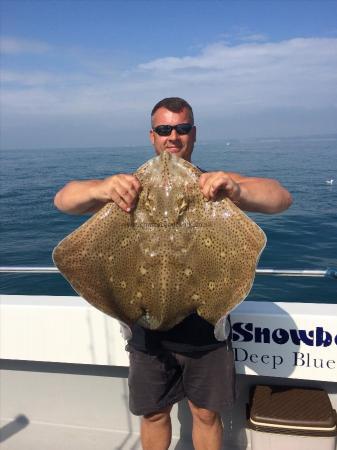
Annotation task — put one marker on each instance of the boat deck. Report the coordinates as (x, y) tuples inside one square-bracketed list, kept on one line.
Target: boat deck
[(63, 373)]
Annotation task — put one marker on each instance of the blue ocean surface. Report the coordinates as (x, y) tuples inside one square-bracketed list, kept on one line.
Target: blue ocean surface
[(304, 237)]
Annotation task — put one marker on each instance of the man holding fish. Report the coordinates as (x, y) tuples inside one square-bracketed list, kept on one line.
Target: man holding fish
[(187, 360)]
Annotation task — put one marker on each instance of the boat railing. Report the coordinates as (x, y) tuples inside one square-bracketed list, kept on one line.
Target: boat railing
[(325, 273)]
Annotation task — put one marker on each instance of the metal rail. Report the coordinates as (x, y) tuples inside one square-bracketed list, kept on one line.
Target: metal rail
[(327, 273)]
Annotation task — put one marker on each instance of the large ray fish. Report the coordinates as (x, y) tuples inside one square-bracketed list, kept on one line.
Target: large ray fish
[(176, 253)]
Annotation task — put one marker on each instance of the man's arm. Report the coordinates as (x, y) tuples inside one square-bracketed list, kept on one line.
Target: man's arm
[(87, 197), (248, 193)]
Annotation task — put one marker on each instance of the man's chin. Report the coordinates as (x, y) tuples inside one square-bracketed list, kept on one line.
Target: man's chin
[(175, 151)]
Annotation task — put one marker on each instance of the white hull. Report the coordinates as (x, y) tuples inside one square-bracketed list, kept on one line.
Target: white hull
[(64, 374)]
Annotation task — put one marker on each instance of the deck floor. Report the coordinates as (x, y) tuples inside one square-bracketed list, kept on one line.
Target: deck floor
[(46, 436)]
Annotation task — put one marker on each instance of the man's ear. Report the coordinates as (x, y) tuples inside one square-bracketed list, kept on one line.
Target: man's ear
[(151, 136)]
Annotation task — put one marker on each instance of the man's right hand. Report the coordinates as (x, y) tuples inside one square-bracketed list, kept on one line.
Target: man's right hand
[(89, 196), (123, 189)]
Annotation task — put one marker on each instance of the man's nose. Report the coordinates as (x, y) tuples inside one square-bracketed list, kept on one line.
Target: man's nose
[(173, 134)]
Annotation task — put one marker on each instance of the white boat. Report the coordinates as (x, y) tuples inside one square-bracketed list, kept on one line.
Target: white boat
[(64, 370)]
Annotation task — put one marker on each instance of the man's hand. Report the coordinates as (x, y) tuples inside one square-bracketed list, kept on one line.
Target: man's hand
[(89, 196), (248, 193), (123, 189), (212, 183)]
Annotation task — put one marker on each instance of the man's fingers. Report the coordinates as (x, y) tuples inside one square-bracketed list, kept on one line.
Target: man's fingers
[(134, 190), (135, 184), (212, 186), (123, 200), (120, 202), (202, 179), (205, 182), (221, 183), (122, 189), (125, 193), (212, 182)]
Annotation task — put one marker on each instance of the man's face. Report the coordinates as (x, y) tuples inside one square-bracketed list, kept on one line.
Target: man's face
[(180, 145)]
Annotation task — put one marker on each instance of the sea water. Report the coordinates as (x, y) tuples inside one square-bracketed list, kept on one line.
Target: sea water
[(304, 237)]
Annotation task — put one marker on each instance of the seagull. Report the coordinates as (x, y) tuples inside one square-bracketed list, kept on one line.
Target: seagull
[(329, 181)]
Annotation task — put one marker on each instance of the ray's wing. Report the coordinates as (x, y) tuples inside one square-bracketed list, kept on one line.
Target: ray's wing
[(229, 248), (97, 258)]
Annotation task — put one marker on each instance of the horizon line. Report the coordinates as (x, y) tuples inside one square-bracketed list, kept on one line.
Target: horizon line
[(201, 142)]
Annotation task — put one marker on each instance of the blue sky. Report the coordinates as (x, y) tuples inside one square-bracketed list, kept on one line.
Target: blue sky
[(87, 73)]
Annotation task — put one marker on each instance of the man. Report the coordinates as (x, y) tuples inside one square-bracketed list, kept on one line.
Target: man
[(185, 361)]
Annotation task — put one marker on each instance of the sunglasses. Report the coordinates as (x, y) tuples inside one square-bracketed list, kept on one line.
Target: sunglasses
[(166, 130)]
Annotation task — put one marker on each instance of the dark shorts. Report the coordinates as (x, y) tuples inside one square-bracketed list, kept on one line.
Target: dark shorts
[(207, 379)]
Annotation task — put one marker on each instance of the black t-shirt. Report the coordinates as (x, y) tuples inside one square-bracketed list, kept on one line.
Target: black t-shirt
[(190, 335)]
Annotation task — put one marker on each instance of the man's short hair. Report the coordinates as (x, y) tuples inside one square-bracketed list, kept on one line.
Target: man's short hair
[(174, 104)]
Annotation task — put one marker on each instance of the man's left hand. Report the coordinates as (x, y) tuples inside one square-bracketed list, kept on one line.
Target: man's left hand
[(212, 183)]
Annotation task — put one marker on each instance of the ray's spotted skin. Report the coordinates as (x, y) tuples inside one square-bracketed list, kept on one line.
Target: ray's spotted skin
[(174, 254)]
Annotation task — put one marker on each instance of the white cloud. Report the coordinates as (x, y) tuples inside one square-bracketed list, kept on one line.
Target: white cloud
[(296, 76), (296, 72), (14, 45), (256, 56)]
